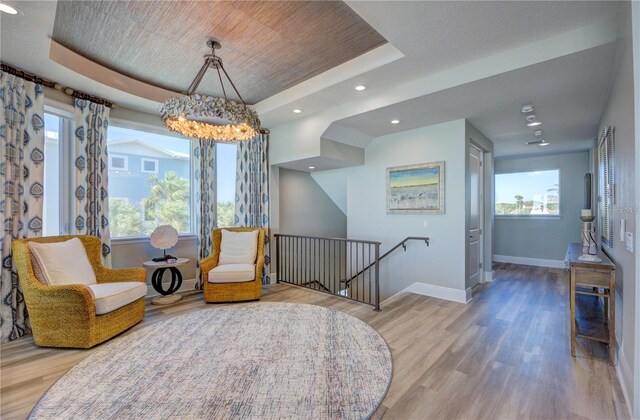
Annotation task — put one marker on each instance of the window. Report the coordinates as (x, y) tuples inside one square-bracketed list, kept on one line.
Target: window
[(149, 182), (226, 191), (52, 175), (149, 166), (535, 193), (117, 162)]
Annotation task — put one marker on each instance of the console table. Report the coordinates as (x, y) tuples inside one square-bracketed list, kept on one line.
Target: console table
[(592, 279)]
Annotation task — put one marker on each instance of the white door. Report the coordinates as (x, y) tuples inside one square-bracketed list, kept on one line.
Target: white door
[(474, 260)]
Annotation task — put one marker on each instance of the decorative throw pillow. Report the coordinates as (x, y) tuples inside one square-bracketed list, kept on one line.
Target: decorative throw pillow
[(63, 262), (238, 247), (37, 270)]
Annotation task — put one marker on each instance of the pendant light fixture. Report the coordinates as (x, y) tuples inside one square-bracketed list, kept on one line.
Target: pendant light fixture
[(210, 117)]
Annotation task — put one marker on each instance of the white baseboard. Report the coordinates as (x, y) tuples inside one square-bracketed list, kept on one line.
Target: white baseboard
[(621, 367), (538, 262), (440, 292), (488, 277), (187, 286)]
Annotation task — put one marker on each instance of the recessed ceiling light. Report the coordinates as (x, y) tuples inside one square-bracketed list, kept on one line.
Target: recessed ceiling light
[(312, 167), (297, 111), (534, 124), (527, 108), (8, 9), (360, 87), (537, 133), (531, 117), (395, 121)]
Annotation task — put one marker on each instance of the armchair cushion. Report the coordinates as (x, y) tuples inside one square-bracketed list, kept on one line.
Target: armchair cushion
[(238, 247), (60, 263), (110, 296), (232, 273)]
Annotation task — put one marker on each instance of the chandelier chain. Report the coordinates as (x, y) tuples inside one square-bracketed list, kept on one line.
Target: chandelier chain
[(224, 92)]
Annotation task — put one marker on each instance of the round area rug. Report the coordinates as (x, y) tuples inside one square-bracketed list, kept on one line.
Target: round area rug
[(258, 360)]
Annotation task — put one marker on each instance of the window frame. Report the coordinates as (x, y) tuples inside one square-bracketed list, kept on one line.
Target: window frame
[(126, 163), (65, 155), (529, 216), (156, 163)]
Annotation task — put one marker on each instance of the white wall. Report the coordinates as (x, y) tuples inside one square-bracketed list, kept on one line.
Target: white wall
[(619, 112), (635, 12), (440, 264)]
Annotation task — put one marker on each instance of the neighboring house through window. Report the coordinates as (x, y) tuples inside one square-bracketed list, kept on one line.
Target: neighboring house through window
[(527, 194), (149, 166), (119, 163), (155, 189)]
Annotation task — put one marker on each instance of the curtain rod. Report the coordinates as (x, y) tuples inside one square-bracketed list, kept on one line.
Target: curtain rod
[(67, 90), (55, 85)]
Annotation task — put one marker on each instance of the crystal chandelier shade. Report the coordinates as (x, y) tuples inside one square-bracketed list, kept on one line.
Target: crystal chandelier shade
[(189, 115)]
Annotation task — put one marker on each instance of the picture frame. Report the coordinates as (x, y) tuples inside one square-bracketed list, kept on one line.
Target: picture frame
[(416, 189)]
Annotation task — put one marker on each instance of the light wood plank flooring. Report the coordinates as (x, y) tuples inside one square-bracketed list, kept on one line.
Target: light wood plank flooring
[(505, 355)]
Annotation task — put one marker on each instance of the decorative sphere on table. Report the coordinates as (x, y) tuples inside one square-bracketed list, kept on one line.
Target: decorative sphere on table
[(164, 237)]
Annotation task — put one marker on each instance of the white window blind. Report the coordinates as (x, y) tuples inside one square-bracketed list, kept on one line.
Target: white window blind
[(607, 191)]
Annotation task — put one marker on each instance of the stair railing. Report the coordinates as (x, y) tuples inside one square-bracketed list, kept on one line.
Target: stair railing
[(348, 268)]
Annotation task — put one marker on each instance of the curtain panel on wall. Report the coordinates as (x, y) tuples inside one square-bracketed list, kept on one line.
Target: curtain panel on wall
[(22, 179), (92, 166), (252, 190), (204, 168)]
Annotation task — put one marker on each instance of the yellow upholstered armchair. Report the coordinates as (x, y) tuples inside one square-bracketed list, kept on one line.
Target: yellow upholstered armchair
[(80, 315), (233, 282)]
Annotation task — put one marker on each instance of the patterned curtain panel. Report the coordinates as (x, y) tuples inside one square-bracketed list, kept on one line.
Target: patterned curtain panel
[(252, 190), (22, 178), (204, 168), (92, 201)]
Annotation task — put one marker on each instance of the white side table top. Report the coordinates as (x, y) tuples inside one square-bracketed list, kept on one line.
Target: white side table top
[(159, 264)]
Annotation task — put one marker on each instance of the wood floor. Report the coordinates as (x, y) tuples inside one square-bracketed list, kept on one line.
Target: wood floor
[(505, 355)]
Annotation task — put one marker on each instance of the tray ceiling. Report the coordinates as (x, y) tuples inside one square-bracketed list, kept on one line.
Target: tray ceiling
[(267, 47)]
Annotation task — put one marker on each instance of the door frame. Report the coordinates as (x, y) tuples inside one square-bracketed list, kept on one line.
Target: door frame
[(481, 213)]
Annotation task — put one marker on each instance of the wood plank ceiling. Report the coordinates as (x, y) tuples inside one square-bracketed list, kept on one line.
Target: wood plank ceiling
[(267, 46)]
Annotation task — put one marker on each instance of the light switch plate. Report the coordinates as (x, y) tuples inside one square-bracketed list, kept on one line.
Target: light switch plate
[(623, 229), (629, 242), (425, 224)]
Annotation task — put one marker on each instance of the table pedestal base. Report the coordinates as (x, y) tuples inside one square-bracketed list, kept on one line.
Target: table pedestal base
[(166, 300)]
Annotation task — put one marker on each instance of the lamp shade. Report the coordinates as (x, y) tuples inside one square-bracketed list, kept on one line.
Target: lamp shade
[(164, 237)]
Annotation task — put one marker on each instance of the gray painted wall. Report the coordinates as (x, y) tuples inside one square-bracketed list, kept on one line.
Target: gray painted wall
[(619, 112), (305, 209), (440, 264), (544, 238)]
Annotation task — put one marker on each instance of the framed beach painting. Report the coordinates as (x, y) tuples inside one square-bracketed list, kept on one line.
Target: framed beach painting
[(417, 189)]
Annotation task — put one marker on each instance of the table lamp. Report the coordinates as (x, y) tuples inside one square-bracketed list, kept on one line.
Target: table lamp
[(164, 237), (589, 245)]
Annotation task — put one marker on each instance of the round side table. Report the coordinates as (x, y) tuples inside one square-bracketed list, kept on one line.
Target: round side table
[(168, 296)]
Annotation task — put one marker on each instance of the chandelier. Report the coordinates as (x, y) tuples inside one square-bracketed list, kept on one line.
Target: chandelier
[(210, 117)]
